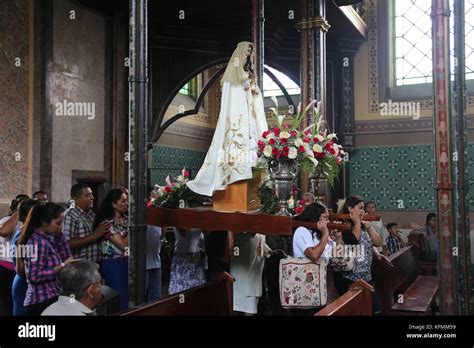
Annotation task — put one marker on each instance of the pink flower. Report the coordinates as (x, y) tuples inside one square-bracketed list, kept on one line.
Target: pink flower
[(301, 202), (186, 173)]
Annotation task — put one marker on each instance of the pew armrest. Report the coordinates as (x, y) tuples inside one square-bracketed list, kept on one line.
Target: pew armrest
[(356, 301)]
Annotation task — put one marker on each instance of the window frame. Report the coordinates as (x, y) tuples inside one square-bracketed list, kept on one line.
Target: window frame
[(386, 61)]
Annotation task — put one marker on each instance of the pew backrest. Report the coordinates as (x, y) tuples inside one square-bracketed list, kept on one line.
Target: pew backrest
[(213, 298)]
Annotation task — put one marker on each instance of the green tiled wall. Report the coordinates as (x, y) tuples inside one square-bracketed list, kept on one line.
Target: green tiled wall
[(170, 161), (390, 173)]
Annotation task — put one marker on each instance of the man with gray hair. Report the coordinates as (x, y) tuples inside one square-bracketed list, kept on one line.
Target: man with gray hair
[(81, 290)]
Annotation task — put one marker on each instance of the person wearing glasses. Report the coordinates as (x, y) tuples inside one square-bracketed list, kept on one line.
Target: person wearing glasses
[(81, 290)]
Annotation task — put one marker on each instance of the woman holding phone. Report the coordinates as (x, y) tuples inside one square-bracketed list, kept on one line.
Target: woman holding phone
[(364, 235)]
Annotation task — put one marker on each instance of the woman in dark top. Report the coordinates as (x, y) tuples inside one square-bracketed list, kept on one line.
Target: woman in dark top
[(365, 237)]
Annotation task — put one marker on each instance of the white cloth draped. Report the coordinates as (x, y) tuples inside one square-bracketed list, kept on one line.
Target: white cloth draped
[(233, 150)]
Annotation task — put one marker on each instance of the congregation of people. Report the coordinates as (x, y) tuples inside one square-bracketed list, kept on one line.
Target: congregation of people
[(56, 260)]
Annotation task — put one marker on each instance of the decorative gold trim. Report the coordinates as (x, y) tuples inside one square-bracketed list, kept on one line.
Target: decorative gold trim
[(317, 22)]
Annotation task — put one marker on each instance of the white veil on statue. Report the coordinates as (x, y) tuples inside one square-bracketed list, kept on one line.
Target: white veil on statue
[(233, 150)]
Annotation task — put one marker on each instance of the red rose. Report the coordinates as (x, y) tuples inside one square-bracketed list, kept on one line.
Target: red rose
[(299, 210), (276, 130), (260, 143), (285, 126), (283, 141), (306, 140), (168, 189), (271, 141), (301, 149), (186, 174), (284, 151), (338, 161), (301, 202), (264, 134), (294, 133), (275, 152), (332, 151), (307, 132), (328, 145)]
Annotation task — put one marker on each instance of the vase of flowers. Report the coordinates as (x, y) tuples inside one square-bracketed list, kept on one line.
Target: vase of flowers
[(285, 148), (283, 176)]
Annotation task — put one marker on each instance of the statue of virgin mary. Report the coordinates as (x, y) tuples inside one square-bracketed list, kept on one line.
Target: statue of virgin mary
[(233, 150)]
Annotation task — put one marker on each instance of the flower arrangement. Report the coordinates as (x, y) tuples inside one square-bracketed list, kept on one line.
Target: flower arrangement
[(175, 194), (311, 148)]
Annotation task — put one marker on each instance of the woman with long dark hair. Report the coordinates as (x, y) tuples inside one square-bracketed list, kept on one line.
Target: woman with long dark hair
[(114, 264), (46, 254), (312, 244), (20, 284), (363, 235)]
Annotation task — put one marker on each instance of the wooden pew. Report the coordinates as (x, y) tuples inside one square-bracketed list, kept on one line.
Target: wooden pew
[(356, 301), (401, 281), (213, 298)]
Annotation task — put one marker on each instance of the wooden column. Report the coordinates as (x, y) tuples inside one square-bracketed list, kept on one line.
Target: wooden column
[(258, 19), (348, 50), (313, 27), (444, 156)]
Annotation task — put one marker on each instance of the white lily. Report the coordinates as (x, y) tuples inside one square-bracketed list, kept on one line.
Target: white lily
[(299, 142)]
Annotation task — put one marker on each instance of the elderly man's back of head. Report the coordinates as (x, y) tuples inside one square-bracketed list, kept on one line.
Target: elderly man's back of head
[(81, 289)]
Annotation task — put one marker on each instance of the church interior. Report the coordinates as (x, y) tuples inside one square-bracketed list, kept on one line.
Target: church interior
[(114, 111)]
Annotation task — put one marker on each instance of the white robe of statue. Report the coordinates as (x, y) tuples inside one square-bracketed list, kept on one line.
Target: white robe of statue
[(233, 150)]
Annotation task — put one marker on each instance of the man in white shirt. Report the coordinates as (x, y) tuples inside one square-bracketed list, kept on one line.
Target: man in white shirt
[(81, 290)]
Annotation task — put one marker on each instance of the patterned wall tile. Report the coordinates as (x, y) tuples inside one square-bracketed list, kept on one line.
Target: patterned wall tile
[(396, 176), (170, 161)]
